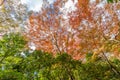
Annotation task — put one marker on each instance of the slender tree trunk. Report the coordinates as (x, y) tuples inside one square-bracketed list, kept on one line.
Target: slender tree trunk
[(111, 66)]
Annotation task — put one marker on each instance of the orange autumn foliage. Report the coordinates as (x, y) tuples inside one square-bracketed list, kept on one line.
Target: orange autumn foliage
[(86, 29)]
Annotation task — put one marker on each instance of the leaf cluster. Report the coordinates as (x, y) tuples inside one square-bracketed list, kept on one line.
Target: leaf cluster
[(39, 65)]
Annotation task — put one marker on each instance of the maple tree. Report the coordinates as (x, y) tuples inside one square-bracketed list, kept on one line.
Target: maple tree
[(60, 39), (17, 62), (48, 25), (89, 28), (98, 28)]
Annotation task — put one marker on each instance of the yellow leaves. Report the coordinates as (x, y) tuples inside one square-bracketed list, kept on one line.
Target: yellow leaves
[(97, 52), (2, 8), (12, 59)]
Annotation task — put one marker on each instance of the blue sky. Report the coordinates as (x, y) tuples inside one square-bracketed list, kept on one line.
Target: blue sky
[(35, 5)]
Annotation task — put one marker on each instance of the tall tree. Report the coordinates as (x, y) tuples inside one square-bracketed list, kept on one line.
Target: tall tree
[(98, 27), (89, 28)]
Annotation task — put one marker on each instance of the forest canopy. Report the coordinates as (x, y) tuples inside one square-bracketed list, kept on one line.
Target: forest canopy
[(57, 42)]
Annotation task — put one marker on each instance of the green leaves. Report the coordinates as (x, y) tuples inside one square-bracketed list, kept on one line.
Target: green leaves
[(111, 1), (12, 41), (39, 65), (11, 44)]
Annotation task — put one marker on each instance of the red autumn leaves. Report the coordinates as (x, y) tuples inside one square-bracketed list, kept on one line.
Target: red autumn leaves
[(85, 30)]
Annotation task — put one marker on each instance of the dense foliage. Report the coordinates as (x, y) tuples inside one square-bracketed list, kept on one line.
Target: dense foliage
[(59, 43), (93, 26), (23, 64), (111, 1)]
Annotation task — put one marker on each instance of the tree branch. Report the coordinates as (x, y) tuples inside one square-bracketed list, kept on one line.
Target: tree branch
[(57, 45), (111, 66)]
